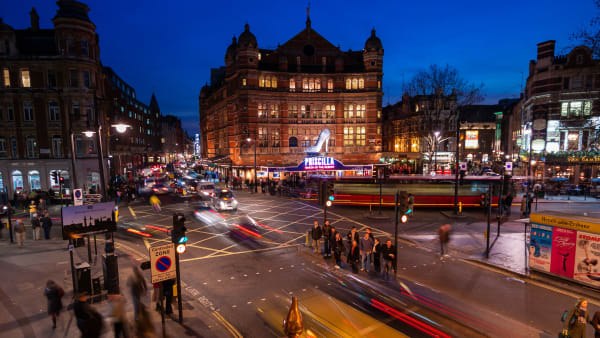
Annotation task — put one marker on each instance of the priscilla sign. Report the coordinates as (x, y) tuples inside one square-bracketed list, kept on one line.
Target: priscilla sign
[(318, 163)]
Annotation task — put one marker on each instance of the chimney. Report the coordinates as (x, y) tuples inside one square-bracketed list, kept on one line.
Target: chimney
[(545, 49), (35, 20)]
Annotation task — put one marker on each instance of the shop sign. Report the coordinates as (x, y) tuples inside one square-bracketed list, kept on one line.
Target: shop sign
[(320, 162), (568, 223), (472, 139)]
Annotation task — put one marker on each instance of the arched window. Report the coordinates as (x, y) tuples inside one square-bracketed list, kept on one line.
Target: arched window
[(17, 180), (268, 82), (348, 83), (261, 81), (361, 83), (293, 141), (34, 180), (274, 82)]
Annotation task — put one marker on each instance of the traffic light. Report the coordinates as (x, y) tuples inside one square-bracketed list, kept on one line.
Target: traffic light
[(54, 175), (178, 236), (484, 200), (374, 172), (329, 191), (404, 210)]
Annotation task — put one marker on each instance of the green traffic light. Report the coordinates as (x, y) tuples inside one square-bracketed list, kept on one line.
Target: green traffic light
[(182, 239), (408, 211), (331, 198)]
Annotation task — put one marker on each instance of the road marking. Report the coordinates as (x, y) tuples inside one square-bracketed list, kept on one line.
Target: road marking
[(213, 255), (234, 332), (132, 212)]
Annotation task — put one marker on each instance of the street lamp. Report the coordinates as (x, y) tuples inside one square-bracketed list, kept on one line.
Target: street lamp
[(437, 134), (255, 185)]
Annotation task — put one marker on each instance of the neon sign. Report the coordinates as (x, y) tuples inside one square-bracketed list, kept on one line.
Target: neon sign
[(311, 163)]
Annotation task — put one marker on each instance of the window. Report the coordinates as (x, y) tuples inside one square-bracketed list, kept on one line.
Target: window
[(330, 85), (360, 136), (244, 82), (311, 85), (348, 83), (330, 111), (76, 110), (348, 136), (293, 111), (262, 110), (361, 83), (27, 111), (379, 114), (274, 137), (70, 47), (3, 151), (360, 111), (51, 78), (577, 82), (262, 137), (378, 84), (305, 111), (84, 48), (78, 145), (576, 108), (34, 180), (274, 109), (6, 77), (378, 130), (25, 78), (53, 111), (89, 113), (86, 79), (17, 179), (74, 79), (355, 83), (292, 85), (587, 107), (13, 147), (348, 111), (57, 146), (31, 147), (267, 81), (10, 115), (293, 141)]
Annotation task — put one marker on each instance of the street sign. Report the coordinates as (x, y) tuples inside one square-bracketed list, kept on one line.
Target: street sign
[(78, 195), (508, 166), (162, 262), (463, 165)]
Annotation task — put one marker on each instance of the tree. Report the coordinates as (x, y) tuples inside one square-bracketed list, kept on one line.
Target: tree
[(444, 91), (589, 35)]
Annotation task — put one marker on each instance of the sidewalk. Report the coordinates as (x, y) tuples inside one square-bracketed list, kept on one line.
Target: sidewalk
[(559, 199), (23, 306)]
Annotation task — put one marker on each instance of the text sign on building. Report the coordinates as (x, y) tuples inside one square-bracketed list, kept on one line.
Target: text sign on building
[(162, 262), (197, 144), (320, 162), (471, 139)]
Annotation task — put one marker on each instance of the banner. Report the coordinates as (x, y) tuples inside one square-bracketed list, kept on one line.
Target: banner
[(471, 139), (86, 219), (563, 252), (540, 247), (587, 257)]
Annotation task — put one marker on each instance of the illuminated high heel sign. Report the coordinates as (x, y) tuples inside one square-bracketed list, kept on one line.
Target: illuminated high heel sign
[(320, 162)]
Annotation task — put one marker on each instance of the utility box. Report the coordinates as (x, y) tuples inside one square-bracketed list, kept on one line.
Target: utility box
[(110, 269), (83, 276)]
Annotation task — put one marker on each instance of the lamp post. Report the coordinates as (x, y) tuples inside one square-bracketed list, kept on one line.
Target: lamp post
[(255, 185), (437, 134)]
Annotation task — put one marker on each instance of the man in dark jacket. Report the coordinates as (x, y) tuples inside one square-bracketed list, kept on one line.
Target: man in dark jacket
[(354, 256), (353, 236), (507, 203), (46, 225), (389, 256), (316, 234), (327, 238)]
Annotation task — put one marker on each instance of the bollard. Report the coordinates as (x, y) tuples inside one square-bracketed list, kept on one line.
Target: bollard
[(307, 240), (460, 208)]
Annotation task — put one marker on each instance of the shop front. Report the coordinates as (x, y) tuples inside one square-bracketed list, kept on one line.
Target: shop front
[(318, 165)]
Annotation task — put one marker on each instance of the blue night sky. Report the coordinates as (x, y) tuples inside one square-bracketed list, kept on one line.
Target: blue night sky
[(157, 46)]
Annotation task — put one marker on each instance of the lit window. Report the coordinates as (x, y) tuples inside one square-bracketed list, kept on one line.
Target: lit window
[(53, 111), (275, 138), (378, 130), (274, 108), (293, 111), (348, 111), (292, 85), (305, 85), (379, 114), (25, 79), (587, 108), (330, 111), (330, 85), (273, 82), (259, 56), (348, 83), (379, 84), (564, 109), (348, 136), (354, 83), (262, 110), (575, 108), (360, 111), (27, 111), (360, 136), (244, 82), (6, 77), (361, 83)]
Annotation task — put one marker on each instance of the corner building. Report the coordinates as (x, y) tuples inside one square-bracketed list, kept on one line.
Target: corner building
[(283, 99)]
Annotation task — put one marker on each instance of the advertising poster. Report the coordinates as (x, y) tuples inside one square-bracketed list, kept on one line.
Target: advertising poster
[(540, 247), (587, 257), (472, 139), (563, 252), (85, 219)]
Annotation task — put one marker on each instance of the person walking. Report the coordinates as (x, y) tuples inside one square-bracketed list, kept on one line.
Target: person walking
[(54, 294), (155, 202), (377, 255), (143, 323), (444, 235), (32, 209), (577, 319), (316, 234), (89, 321), (42, 207), (118, 315), (524, 206), (596, 324), (327, 238), (507, 203), (20, 232), (365, 248), (354, 256), (338, 248), (168, 293), (138, 287), (46, 225), (36, 227), (389, 255), (332, 240)]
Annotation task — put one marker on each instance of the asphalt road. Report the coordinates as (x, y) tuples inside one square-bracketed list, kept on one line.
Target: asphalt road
[(250, 280)]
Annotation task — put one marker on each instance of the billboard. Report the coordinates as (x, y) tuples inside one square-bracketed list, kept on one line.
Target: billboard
[(540, 247), (86, 219), (587, 256), (471, 139)]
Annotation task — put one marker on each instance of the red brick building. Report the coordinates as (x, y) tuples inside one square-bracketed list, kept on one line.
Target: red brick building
[(284, 98)]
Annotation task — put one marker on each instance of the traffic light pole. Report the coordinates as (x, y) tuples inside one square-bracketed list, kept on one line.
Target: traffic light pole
[(179, 302), (489, 212), (324, 212), (396, 233)]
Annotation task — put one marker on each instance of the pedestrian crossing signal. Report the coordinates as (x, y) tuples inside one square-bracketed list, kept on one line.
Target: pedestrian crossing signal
[(404, 218)]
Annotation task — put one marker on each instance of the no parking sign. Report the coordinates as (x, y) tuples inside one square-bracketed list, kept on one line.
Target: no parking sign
[(162, 262), (78, 197)]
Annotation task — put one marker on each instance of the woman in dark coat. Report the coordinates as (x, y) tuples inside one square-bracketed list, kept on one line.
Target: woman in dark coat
[(54, 293), (338, 248), (354, 257), (377, 256)]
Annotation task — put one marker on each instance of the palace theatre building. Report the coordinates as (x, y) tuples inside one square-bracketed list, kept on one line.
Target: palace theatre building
[(306, 98)]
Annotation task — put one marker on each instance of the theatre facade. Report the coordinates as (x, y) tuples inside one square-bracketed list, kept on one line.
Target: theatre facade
[(304, 99)]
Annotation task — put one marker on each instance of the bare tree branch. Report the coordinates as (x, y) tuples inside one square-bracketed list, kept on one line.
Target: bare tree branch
[(589, 35)]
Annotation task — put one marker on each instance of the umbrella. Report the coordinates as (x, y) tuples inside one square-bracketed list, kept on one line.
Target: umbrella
[(559, 179)]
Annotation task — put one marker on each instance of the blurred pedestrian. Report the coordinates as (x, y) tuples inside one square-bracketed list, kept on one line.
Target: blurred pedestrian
[(168, 292), (316, 234), (138, 287), (352, 236), (332, 240), (36, 227), (54, 294), (596, 324), (524, 206), (377, 255), (46, 225), (327, 238), (507, 203), (42, 207), (338, 249), (354, 256), (444, 236), (89, 321), (365, 248), (20, 232), (32, 209), (118, 315), (577, 319), (118, 196), (155, 202), (389, 256), (143, 323)]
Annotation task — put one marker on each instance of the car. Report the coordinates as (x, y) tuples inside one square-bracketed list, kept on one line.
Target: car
[(161, 189), (206, 189), (224, 200)]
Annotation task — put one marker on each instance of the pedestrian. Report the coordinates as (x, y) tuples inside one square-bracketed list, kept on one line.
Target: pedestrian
[(507, 203), (54, 294), (118, 196), (524, 206), (46, 225), (32, 209), (352, 236), (42, 206), (365, 248), (15, 200), (389, 256), (118, 315), (155, 202), (20, 232), (354, 256), (89, 321), (377, 255), (370, 233), (411, 204), (316, 234), (138, 287), (327, 238), (168, 293), (444, 235), (577, 319), (596, 324), (143, 323), (338, 248), (36, 227)]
